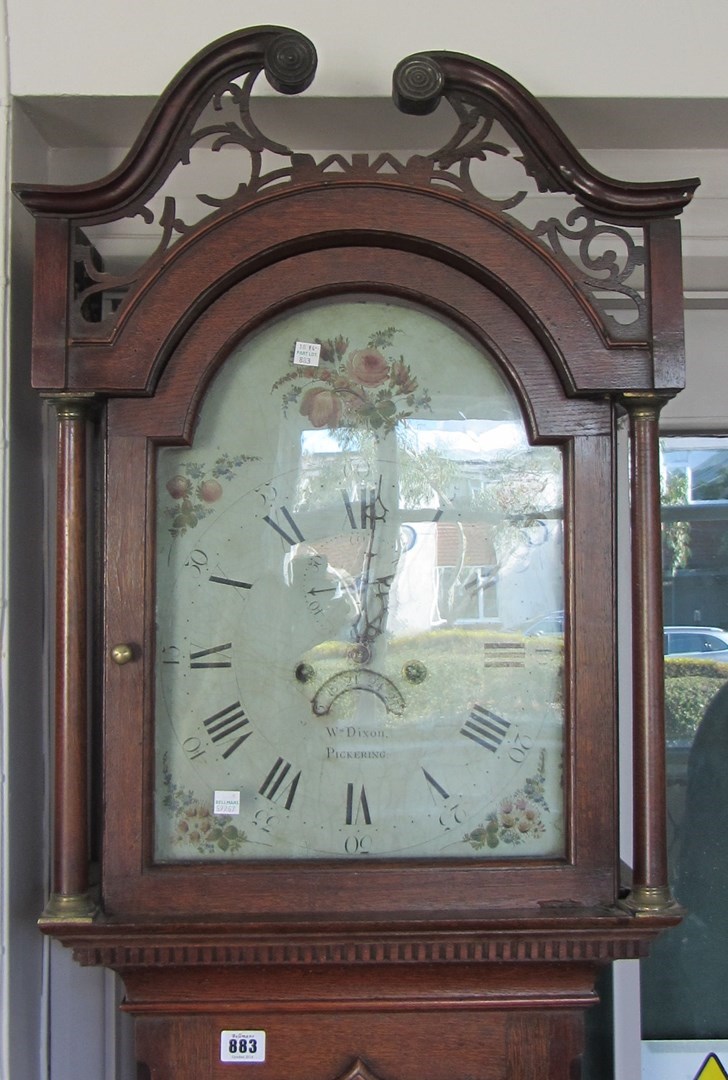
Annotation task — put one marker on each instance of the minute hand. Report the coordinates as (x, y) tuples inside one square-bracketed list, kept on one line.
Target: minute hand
[(374, 622), (373, 589)]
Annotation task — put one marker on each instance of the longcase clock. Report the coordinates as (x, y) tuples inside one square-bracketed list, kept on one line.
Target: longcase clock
[(341, 654)]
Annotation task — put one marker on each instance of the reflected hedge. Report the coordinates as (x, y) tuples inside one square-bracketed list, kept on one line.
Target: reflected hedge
[(690, 685)]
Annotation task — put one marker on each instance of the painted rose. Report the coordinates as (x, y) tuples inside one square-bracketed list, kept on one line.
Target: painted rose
[(321, 406), (368, 367)]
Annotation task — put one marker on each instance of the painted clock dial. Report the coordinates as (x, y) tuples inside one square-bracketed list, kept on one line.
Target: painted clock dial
[(360, 593)]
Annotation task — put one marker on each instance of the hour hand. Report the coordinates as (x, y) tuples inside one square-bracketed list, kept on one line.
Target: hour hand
[(373, 608)]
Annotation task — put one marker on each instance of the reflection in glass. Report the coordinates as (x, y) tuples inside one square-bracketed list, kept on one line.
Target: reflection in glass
[(683, 980), (348, 560)]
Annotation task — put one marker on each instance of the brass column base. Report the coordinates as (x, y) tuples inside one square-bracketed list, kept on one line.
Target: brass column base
[(650, 900), (70, 908)]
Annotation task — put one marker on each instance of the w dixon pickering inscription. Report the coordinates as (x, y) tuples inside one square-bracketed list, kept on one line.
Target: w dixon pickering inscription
[(361, 735)]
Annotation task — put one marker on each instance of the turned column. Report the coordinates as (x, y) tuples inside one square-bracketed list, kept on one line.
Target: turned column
[(70, 898), (650, 889)]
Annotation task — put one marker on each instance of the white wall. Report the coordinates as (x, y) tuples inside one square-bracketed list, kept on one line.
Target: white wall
[(24, 698), (628, 48), (703, 404)]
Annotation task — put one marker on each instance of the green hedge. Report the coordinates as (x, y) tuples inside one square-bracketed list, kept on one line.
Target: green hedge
[(689, 687), (454, 661)]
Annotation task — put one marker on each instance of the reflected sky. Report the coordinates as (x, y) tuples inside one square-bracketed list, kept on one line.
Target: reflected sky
[(464, 438)]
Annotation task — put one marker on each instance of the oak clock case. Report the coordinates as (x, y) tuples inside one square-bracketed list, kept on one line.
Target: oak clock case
[(358, 423), (329, 552), (324, 555)]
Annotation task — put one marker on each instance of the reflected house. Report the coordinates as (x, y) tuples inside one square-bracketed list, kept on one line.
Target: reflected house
[(466, 555)]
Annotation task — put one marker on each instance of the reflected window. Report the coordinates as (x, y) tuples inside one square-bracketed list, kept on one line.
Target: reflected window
[(683, 980)]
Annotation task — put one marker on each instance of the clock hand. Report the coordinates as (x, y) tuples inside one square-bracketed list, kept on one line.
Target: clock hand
[(385, 580), (368, 629), (369, 625), (372, 589), (362, 595)]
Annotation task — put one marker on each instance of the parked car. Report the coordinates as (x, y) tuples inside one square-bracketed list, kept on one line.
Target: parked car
[(696, 641), (679, 641)]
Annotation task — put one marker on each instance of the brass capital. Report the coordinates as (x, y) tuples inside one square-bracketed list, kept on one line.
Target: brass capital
[(644, 404), (72, 406)]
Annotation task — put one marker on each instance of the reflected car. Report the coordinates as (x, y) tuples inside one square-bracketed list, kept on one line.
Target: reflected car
[(690, 642), (696, 642), (547, 626)]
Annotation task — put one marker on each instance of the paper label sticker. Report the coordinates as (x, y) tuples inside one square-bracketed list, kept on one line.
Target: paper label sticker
[(243, 1047), (226, 802), (307, 353)]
